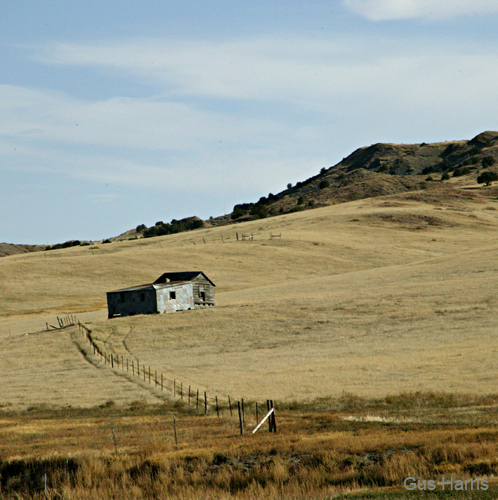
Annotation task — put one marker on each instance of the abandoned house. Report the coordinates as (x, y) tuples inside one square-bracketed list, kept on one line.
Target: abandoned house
[(169, 293)]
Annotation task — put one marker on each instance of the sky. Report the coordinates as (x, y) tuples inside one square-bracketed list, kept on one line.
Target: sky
[(120, 113)]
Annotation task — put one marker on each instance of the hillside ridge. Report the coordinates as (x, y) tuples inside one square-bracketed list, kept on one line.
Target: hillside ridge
[(370, 171)]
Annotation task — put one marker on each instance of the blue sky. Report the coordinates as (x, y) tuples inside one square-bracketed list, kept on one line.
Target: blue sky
[(114, 114)]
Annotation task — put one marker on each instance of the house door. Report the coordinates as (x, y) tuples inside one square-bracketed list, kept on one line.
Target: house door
[(203, 296)]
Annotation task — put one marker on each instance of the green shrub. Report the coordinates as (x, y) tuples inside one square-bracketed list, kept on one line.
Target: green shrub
[(487, 178), (259, 211), (323, 184), (445, 176), (297, 208), (300, 200), (487, 161), (461, 171)]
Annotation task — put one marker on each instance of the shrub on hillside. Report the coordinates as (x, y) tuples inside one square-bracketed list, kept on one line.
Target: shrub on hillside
[(323, 184), (259, 211), (175, 226), (461, 171), (445, 176), (297, 208), (487, 161), (487, 178), (300, 200)]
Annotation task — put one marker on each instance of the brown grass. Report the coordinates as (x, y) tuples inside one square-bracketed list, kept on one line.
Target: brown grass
[(351, 299), (313, 455)]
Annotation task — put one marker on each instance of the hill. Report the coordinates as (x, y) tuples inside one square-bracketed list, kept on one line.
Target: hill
[(13, 249), (372, 297)]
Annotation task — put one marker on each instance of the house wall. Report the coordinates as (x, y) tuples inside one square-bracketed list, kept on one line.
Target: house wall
[(201, 284), (130, 302), (183, 300)]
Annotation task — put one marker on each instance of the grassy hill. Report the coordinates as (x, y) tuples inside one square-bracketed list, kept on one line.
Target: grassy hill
[(371, 323), (372, 297)]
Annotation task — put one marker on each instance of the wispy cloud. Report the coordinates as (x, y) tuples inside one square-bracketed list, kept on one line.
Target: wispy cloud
[(385, 10), (264, 108)]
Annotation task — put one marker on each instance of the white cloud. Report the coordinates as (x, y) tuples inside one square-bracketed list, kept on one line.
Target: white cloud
[(251, 112), (384, 10)]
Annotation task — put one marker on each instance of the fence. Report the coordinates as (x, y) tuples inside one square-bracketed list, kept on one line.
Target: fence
[(183, 393), (64, 322)]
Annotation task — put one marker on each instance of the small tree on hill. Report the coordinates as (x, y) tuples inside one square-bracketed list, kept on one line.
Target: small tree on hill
[(324, 184), (487, 178), (487, 161)]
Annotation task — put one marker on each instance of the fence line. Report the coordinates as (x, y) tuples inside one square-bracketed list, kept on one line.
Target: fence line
[(189, 397)]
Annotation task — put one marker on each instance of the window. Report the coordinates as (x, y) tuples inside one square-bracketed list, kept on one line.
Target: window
[(172, 295), (203, 295)]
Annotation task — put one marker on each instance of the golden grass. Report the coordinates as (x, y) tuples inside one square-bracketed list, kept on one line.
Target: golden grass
[(313, 455), (371, 297)]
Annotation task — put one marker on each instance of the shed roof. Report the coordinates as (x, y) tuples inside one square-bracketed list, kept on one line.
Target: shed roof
[(181, 276), (149, 286)]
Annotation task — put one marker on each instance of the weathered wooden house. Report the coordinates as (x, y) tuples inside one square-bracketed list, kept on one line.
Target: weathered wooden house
[(169, 293)]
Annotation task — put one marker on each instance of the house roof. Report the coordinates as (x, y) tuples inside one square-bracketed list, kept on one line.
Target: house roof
[(174, 279), (149, 286), (181, 276)]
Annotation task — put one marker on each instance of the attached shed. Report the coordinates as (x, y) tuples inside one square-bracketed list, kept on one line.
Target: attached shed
[(169, 293)]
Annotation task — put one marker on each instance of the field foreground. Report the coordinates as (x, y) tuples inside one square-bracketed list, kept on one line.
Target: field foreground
[(326, 449)]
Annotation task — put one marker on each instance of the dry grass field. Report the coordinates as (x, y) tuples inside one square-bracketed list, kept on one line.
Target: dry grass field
[(370, 297), (372, 324)]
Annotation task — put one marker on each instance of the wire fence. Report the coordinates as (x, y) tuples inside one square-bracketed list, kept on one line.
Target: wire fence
[(182, 393)]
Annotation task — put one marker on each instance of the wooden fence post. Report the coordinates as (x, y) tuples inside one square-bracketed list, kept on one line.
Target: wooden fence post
[(273, 420), (174, 425), (217, 407), (161, 381), (189, 395), (268, 407), (241, 421), (230, 402), (205, 403), (197, 403)]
